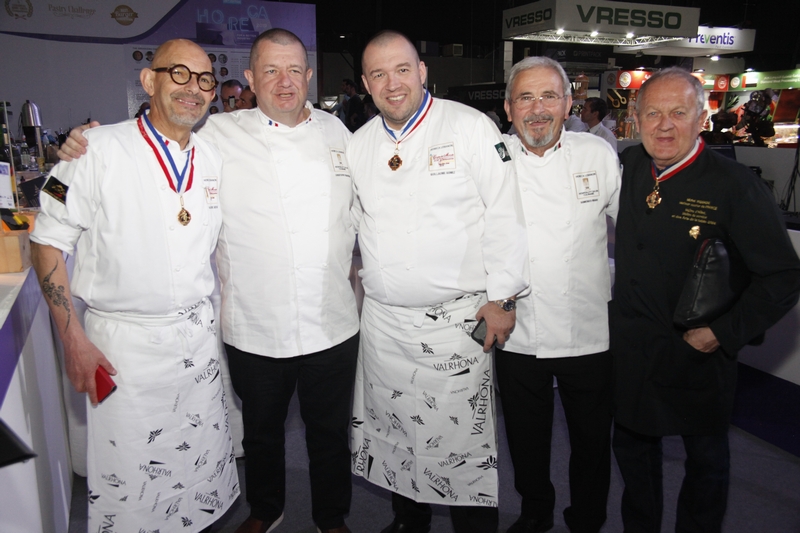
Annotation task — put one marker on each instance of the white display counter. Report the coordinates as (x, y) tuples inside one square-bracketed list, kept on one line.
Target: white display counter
[(36, 494)]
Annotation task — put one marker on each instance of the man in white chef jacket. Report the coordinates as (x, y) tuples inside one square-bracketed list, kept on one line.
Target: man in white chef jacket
[(142, 211), (569, 184), (289, 317), (443, 243)]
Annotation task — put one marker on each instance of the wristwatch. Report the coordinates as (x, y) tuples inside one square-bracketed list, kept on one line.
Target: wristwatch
[(508, 304)]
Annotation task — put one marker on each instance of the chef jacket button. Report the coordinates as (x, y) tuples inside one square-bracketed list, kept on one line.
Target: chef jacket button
[(634, 282), (409, 267), (324, 265), (382, 267), (325, 229), (203, 262), (163, 187), (640, 246), (411, 193), (409, 230), (524, 189), (564, 292), (172, 227), (536, 293), (177, 269), (569, 222), (530, 223), (566, 259)]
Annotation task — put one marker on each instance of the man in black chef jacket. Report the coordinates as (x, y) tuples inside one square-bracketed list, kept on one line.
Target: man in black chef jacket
[(674, 195)]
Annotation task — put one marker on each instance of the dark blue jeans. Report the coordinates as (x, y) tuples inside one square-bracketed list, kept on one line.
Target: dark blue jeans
[(704, 492), (324, 382)]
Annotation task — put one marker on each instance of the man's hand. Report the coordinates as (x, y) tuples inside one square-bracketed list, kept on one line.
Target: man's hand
[(499, 323), (82, 359), (701, 339), (75, 145)]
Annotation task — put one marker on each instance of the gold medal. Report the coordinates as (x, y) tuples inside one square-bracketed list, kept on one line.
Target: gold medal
[(653, 199), (395, 162), (184, 216), (694, 232)]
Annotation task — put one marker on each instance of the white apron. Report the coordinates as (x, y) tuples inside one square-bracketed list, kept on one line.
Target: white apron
[(423, 414), (160, 450)]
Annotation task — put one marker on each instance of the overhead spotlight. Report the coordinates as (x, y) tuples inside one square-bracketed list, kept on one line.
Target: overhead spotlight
[(559, 31), (594, 34), (639, 68), (748, 69), (629, 35), (699, 70), (341, 37), (714, 58)]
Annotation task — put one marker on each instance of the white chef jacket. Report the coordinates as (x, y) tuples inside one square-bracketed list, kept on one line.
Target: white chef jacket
[(122, 215), (566, 196), (287, 239), (448, 222), (604, 133)]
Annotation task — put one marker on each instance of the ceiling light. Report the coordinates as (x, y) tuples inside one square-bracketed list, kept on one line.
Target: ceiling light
[(699, 70), (559, 31), (341, 37), (748, 69), (594, 34), (714, 58), (629, 35)]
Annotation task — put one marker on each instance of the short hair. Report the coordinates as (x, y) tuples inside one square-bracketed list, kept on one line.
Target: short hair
[(383, 37), (597, 105), (350, 83), (537, 62), (673, 73), (231, 83), (277, 36)]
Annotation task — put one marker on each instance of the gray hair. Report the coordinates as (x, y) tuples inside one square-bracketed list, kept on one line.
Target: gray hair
[(674, 73), (536, 62)]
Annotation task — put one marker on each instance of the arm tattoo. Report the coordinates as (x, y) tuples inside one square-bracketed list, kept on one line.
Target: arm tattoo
[(56, 295)]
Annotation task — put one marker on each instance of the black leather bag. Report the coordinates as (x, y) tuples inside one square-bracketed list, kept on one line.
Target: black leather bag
[(707, 292)]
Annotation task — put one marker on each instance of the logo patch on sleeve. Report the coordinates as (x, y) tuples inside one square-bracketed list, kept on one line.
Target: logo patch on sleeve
[(502, 151), (56, 189)]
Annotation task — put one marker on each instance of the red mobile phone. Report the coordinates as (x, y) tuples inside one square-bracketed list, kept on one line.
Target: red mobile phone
[(105, 385)]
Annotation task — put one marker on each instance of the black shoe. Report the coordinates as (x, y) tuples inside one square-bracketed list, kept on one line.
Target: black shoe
[(530, 525), (399, 527)]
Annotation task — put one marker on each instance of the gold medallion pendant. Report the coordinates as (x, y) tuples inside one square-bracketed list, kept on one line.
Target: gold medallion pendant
[(653, 199), (184, 216), (395, 162)]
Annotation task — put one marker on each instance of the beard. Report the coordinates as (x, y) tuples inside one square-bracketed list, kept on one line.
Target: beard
[(186, 117), (545, 138)]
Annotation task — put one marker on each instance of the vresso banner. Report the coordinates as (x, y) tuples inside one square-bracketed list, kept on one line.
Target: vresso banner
[(600, 16)]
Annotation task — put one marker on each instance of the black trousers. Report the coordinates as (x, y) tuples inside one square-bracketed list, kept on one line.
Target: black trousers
[(704, 493), (526, 391), (466, 519), (324, 382)]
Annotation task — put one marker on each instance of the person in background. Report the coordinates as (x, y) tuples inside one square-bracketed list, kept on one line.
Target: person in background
[(230, 93), (569, 185), (668, 380), (160, 454), (443, 246), (289, 317), (574, 123), (354, 109), (592, 114), (247, 100)]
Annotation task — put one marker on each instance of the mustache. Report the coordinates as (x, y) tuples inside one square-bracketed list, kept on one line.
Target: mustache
[(539, 118), (189, 97)]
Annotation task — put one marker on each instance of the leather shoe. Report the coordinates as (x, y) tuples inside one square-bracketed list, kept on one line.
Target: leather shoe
[(254, 525), (531, 525), (399, 527), (340, 529)]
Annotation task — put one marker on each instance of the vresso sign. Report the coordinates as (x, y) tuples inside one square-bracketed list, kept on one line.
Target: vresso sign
[(636, 18), (601, 16)]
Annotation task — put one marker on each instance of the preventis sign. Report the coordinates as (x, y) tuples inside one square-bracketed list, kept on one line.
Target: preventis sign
[(586, 16)]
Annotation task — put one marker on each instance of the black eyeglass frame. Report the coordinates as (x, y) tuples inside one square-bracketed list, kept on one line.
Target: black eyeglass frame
[(171, 69)]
